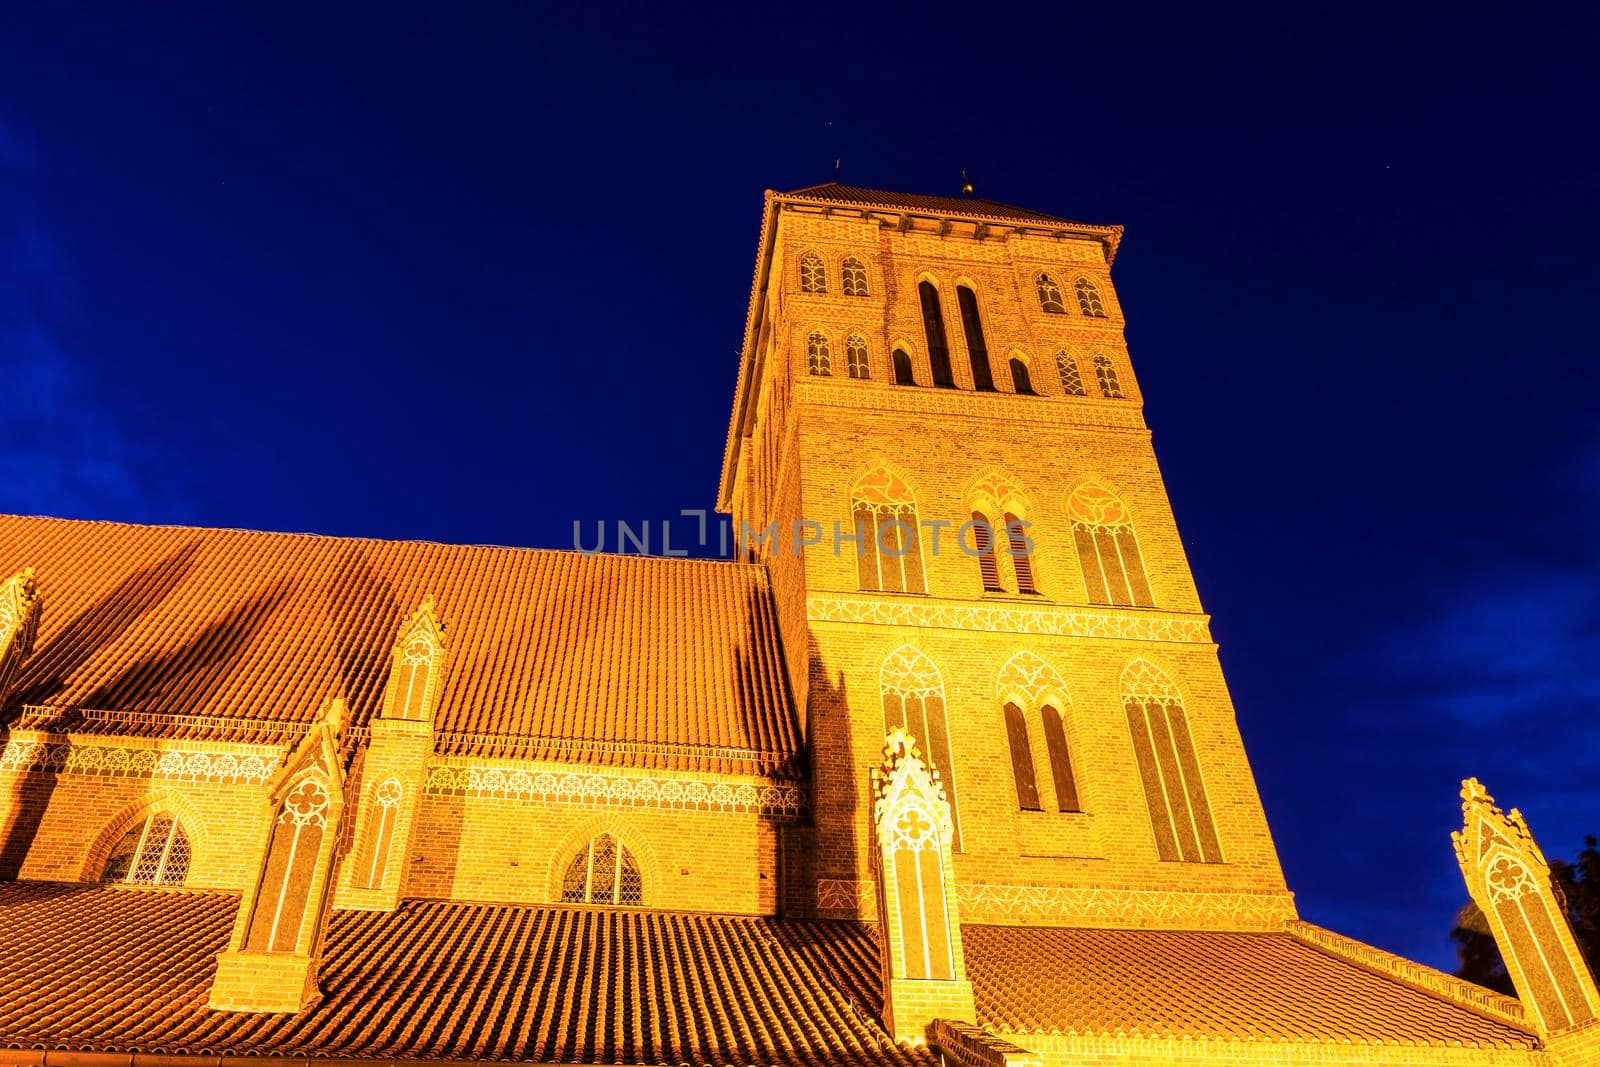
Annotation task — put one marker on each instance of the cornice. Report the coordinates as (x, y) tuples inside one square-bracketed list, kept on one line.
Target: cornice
[(1078, 412)]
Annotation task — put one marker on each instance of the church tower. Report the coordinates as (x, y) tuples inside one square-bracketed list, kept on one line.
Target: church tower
[(949, 378)]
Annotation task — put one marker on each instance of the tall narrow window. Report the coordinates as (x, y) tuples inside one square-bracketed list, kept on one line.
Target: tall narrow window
[(855, 277), (902, 368), (890, 555), (983, 544), (374, 856), (1089, 299), (283, 898), (603, 872), (1021, 759), (154, 852), (1049, 294), (1021, 553), (819, 360), (813, 275), (977, 350), (855, 356), (938, 347), (1106, 374), (1071, 380), (1055, 739), (913, 701), (1108, 551), (1020, 380), (1174, 790)]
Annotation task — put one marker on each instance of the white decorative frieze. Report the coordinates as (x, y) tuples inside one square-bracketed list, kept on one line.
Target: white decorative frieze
[(1146, 908), (21, 755), (592, 788), (1020, 619)]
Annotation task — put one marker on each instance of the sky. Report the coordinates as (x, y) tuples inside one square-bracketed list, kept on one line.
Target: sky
[(468, 273)]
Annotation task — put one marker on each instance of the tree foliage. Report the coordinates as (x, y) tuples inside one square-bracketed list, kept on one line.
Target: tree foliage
[(1577, 887)]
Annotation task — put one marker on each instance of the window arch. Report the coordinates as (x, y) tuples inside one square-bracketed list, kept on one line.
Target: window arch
[(283, 895), (1049, 294), (1021, 380), (855, 277), (998, 513), (1071, 379), (889, 556), (855, 356), (933, 326), (603, 871), (1169, 770), (378, 841), (1089, 299), (154, 851), (813, 274), (977, 348), (1106, 374), (902, 367), (913, 701), (819, 359), (1108, 551), (1032, 694)]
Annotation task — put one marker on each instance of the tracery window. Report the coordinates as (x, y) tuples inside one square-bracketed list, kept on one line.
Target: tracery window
[(1049, 294), (913, 701), (902, 368), (154, 852), (1071, 379), (938, 346), (1531, 926), (1089, 299), (855, 356), (1108, 551), (1021, 381), (1106, 373), (379, 839), (603, 872), (889, 557), (1169, 770), (1032, 693), (997, 521), (813, 275), (819, 360), (977, 348), (911, 820), (283, 897), (855, 277)]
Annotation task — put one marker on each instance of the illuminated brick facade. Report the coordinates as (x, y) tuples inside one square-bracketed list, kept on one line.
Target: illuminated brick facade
[(393, 801)]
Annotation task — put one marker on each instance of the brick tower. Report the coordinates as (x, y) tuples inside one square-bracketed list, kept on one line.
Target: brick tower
[(956, 367)]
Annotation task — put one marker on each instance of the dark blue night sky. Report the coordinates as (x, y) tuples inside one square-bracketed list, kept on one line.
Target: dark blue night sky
[(470, 272)]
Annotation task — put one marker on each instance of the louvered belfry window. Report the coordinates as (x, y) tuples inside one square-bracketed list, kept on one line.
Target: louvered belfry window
[(938, 346), (977, 348)]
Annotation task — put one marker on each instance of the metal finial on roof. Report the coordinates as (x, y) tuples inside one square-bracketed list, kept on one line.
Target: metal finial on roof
[(966, 183), (836, 167)]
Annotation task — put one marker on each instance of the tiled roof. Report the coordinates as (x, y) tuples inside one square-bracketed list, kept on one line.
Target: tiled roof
[(1174, 984), (968, 206), (551, 654), (92, 968)]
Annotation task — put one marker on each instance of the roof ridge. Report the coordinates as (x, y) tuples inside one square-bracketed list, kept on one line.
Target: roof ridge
[(358, 538)]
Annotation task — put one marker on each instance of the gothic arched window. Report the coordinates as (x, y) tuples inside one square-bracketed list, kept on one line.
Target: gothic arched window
[(1049, 294), (1031, 693), (997, 510), (911, 820), (602, 872), (283, 897), (983, 545), (1174, 790), (819, 360), (855, 356), (977, 348), (813, 275), (153, 852), (889, 557), (938, 346), (376, 844), (1021, 554), (1021, 382), (1108, 551), (855, 277), (902, 368), (913, 701), (1071, 380), (1089, 299), (1106, 374)]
